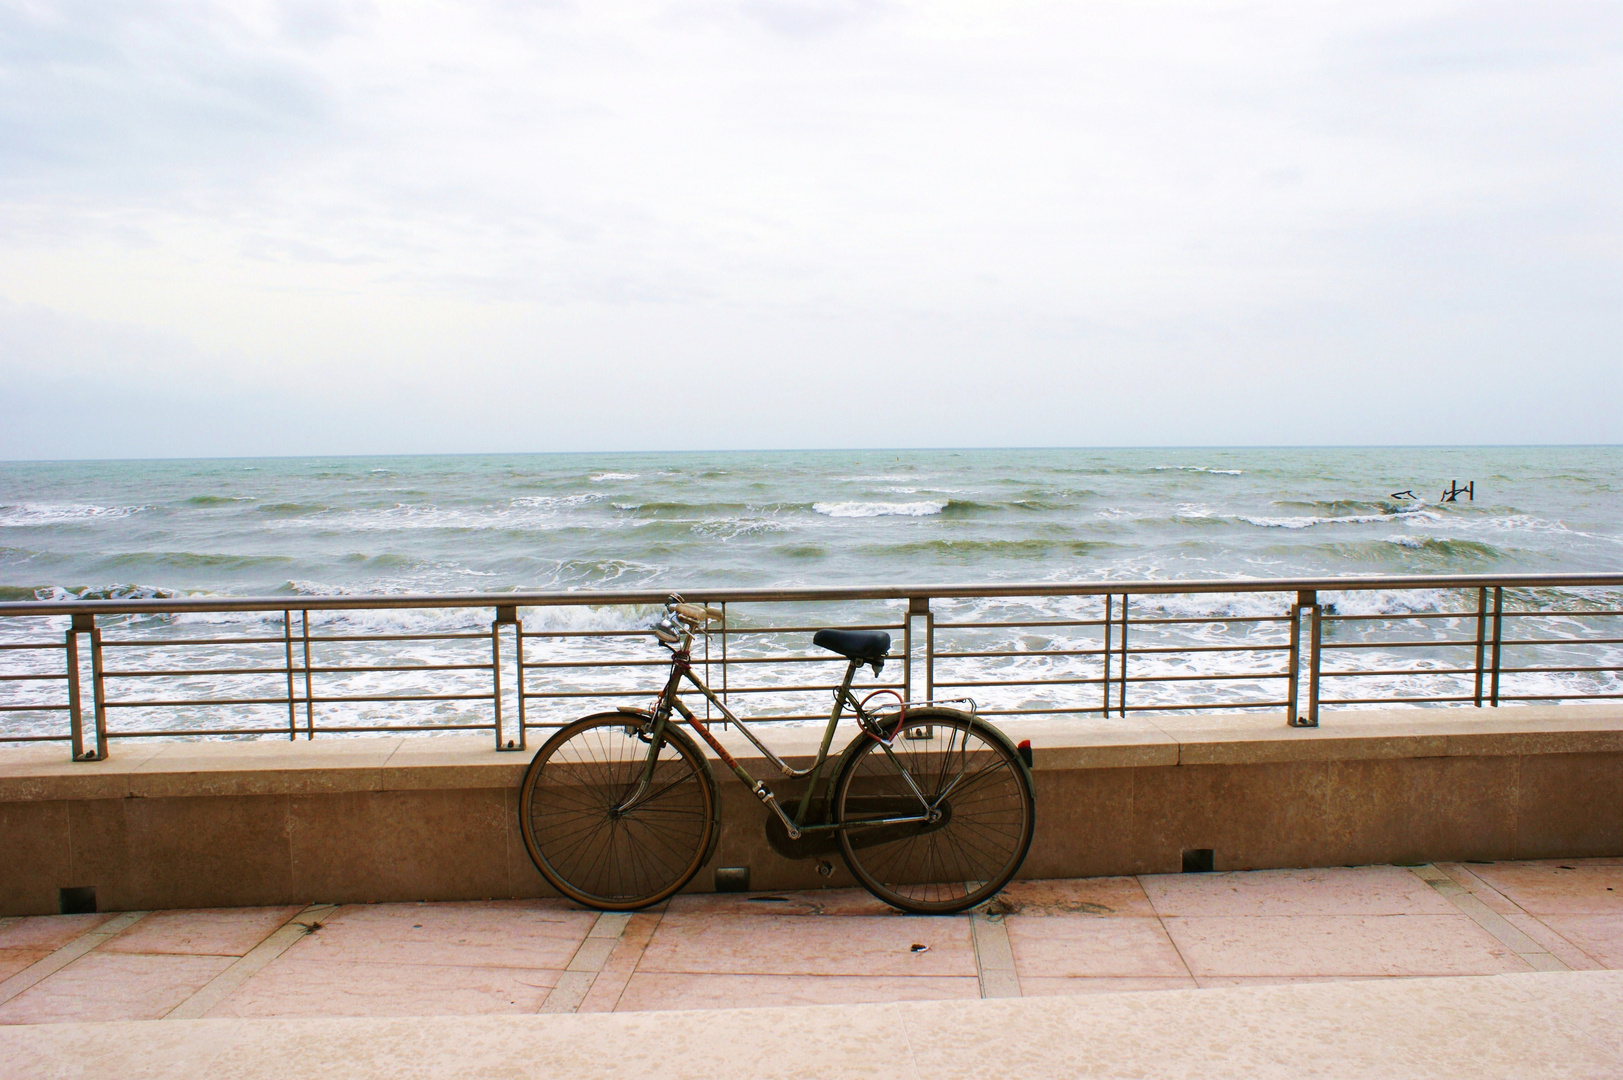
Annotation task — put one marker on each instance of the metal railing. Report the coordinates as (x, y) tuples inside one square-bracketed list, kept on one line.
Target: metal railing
[(298, 667)]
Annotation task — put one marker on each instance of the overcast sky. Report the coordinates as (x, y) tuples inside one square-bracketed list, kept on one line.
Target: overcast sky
[(331, 227)]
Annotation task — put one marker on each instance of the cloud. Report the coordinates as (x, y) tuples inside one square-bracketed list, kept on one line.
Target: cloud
[(1064, 193)]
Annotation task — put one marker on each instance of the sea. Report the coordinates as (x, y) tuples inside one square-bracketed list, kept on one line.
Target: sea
[(317, 526)]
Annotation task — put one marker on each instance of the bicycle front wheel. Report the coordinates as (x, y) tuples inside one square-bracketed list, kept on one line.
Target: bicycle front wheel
[(976, 792), (596, 833)]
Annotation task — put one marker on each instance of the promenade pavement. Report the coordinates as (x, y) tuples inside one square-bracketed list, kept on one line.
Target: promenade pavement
[(1157, 974)]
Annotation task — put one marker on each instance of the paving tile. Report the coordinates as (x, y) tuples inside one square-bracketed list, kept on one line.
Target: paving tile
[(344, 988), (49, 932), (1100, 984), (15, 960), (1340, 945), (1491, 897), (502, 933), (1578, 887), (1070, 946), (704, 943), (807, 902), (1079, 896), (659, 990), (611, 982), (1360, 890), (1552, 942), (111, 986), (205, 931), (1207, 982), (1599, 936)]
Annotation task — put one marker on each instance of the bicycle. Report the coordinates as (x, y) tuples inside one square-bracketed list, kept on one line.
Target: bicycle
[(930, 807)]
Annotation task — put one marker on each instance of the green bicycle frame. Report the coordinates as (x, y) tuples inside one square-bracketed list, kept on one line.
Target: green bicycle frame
[(669, 701)]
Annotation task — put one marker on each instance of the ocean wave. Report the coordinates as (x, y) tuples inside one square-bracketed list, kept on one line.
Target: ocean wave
[(605, 477), (218, 500), (33, 515), (1197, 469), (885, 478), (927, 508), (1310, 520), (973, 548)]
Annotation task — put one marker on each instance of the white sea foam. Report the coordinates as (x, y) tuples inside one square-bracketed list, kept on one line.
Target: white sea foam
[(32, 515), (605, 477), (880, 509), (1197, 468), (1308, 521)]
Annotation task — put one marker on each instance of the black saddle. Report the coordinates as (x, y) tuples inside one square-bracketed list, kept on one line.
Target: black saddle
[(868, 646)]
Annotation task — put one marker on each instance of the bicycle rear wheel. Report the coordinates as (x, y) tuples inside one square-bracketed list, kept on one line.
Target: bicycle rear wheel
[(582, 836), (985, 813)]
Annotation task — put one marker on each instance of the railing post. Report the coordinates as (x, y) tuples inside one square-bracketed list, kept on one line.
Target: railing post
[(292, 705), (507, 624), (309, 687), (1498, 639), (1481, 641), (85, 626), (1121, 690), (1306, 600), (1104, 709), (919, 607)]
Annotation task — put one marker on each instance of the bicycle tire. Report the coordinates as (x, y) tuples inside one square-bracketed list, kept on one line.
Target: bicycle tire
[(587, 849), (986, 825)]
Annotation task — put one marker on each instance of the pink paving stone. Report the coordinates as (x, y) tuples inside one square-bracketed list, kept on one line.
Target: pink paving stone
[(1070, 946), (1491, 898), (1099, 984), (1600, 937), (507, 933), (204, 931), (49, 932), (809, 902), (1558, 888), (705, 943), (1340, 945), (1361, 890), (15, 960), (110, 986), (342, 988), (656, 990), (1085, 896)]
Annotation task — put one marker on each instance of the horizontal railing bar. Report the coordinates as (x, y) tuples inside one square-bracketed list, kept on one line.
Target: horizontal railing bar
[(1134, 707), (33, 708), (1402, 671), (1036, 654), (1078, 681), (57, 645), (698, 661), (1001, 625), (35, 738), (1397, 700), (1558, 697), (602, 597), (296, 669), (1163, 649), (587, 633), (183, 703), (1205, 619), (157, 643), (1562, 641), (1451, 644), (283, 732), (1514, 670), (731, 631), (32, 677)]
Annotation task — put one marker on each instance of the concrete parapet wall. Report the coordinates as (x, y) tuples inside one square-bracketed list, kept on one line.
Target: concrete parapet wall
[(166, 824)]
